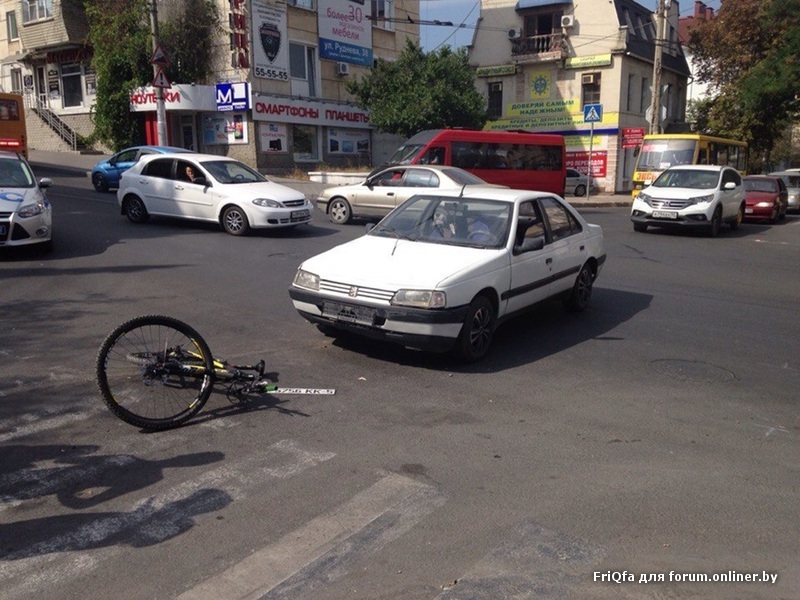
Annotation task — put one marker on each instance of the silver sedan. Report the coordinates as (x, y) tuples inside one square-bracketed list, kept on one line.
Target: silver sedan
[(380, 193)]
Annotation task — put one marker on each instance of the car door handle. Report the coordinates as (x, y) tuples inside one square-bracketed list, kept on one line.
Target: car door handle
[(390, 194), (178, 186), (548, 261)]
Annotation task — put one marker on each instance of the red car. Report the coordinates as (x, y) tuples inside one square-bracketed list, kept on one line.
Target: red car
[(765, 197)]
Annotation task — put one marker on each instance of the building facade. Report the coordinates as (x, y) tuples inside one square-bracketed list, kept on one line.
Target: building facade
[(277, 100), (541, 62)]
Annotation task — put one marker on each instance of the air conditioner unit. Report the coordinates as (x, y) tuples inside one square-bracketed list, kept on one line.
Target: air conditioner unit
[(342, 69), (515, 34), (587, 79), (567, 21)]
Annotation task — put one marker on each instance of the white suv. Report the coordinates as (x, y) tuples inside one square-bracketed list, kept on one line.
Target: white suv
[(695, 196)]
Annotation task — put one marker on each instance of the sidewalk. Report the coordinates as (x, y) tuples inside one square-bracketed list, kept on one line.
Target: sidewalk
[(83, 163)]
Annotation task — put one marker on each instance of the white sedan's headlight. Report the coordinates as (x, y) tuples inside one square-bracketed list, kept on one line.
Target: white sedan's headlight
[(267, 203), (31, 210), (420, 298), (307, 280)]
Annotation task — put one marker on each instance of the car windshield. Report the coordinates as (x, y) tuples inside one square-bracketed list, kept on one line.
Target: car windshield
[(15, 174), (472, 222), (660, 154), (688, 178), (404, 154), (792, 181), (231, 171), (759, 185)]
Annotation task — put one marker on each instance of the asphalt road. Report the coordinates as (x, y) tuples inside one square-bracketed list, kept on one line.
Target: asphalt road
[(654, 436)]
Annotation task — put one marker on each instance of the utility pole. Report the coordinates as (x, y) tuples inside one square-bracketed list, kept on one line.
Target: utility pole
[(161, 116), (660, 43)]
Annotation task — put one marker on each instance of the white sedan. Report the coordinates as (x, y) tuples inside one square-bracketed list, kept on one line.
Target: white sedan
[(442, 270), (207, 187)]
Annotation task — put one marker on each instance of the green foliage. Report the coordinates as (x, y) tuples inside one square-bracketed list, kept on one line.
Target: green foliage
[(421, 91), (119, 33), (749, 54), (187, 41)]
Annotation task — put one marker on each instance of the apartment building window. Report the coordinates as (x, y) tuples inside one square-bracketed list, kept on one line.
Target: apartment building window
[(495, 108), (303, 70), (383, 13), (11, 26), (590, 86), (644, 97), (629, 96), (36, 10), (308, 4), (16, 81)]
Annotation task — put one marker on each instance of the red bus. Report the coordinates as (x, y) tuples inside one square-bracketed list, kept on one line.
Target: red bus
[(12, 124), (517, 159)]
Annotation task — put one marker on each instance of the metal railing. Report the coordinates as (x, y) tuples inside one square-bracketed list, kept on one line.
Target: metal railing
[(64, 131)]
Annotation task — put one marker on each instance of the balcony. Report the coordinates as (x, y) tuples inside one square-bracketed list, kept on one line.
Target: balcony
[(539, 48)]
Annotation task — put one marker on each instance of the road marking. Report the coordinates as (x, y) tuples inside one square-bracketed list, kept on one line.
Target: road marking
[(322, 550), (151, 520)]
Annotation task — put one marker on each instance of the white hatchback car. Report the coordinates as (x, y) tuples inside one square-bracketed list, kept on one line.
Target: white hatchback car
[(693, 196), (206, 187), (26, 216), (444, 268)]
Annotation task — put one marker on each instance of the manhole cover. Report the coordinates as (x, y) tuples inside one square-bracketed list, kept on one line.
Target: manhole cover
[(691, 370)]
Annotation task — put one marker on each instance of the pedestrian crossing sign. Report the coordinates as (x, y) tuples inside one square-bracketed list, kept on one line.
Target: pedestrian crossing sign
[(592, 113)]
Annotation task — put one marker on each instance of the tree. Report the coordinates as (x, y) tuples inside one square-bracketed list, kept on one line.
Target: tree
[(186, 40), (421, 91), (119, 33), (749, 54)]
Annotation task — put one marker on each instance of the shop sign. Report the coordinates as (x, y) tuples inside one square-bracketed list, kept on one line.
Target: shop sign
[(495, 71), (580, 161), (345, 31), (232, 96), (240, 54), (180, 96), (292, 110), (273, 137), (632, 136), (583, 62), (270, 43)]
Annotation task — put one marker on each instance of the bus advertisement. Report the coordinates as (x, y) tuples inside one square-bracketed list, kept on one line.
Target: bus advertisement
[(661, 151), (13, 136), (517, 159)]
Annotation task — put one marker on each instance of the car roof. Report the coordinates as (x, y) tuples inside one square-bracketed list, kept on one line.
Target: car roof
[(488, 192), (9, 154), (770, 176), (187, 155)]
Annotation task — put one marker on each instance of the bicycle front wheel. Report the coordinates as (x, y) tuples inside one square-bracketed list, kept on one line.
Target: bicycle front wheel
[(155, 372)]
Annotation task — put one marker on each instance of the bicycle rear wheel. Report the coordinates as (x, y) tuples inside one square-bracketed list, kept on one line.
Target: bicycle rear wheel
[(155, 372)]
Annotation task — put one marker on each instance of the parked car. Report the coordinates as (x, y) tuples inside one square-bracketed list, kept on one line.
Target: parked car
[(691, 196), (575, 183), (207, 187), (765, 198), (792, 180), (106, 173), (380, 193), (26, 216), (446, 266)]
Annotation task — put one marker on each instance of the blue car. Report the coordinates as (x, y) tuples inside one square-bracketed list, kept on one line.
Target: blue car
[(106, 173)]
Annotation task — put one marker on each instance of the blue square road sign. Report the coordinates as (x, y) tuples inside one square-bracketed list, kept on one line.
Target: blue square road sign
[(592, 113)]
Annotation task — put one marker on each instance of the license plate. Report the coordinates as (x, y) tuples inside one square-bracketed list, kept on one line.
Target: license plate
[(348, 314), (748, 211), (664, 214), (299, 214)]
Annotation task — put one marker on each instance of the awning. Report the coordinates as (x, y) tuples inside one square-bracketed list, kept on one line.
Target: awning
[(522, 4)]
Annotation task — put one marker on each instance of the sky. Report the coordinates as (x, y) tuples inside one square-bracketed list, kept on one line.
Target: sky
[(466, 12)]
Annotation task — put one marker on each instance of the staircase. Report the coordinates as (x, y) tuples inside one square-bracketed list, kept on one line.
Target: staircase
[(47, 131)]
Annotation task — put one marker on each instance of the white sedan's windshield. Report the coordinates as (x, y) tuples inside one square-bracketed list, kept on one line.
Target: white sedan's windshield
[(446, 220), (230, 171), (15, 174)]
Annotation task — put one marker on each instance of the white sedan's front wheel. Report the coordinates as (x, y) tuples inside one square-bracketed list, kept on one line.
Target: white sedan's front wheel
[(476, 334)]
